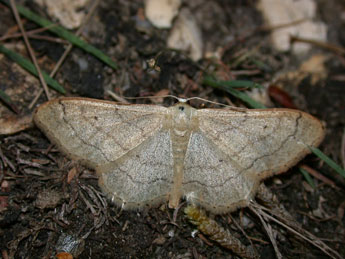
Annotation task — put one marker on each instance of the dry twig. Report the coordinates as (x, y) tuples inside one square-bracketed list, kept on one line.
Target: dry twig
[(28, 46)]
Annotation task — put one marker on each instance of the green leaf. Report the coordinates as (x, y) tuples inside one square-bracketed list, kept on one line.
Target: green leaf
[(229, 86), (27, 65), (5, 97), (328, 161), (7, 100), (240, 84), (307, 177), (65, 34)]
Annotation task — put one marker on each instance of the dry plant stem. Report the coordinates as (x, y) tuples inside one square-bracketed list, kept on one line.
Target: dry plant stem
[(270, 200), (278, 210), (215, 232), (30, 34), (319, 176), (283, 25), (256, 208), (31, 52), (52, 74), (6, 161), (68, 49), (243, 232), (248, 33), (270, 234), (47, 38), (3, 158), (325, 45), (342, 149)]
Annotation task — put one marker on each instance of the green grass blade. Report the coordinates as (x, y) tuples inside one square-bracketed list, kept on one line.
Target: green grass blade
[(307, 177), (328, 161), (5, 97), (229, 87), (239, 84), (27, 65), (65, 34), (7, 100), (261, 65)]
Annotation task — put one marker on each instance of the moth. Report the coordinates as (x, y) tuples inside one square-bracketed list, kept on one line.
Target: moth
[(145, 155)]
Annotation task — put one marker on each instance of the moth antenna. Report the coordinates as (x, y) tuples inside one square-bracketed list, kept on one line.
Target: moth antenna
[(117, 97), (123, 99), (205, 100), (179, 99), (217, 103)]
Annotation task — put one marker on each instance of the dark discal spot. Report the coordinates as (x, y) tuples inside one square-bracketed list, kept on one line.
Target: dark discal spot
[(265, 126), (96, 118), (137, 156), (181, 108), (220, 160)]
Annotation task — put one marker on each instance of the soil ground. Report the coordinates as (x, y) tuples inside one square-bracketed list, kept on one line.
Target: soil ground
[(44, 211)]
